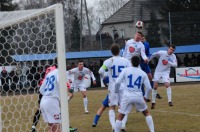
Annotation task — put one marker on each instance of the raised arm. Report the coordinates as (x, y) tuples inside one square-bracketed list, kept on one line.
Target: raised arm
[(143, 54), (173, 62)]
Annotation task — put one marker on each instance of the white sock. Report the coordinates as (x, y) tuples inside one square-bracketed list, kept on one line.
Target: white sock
[(150, 123), (85, 102), (33, 126), (147, 93), (118, 126), (69, 98), (124, 121), (169, 94), (154, 93), (112, 118)]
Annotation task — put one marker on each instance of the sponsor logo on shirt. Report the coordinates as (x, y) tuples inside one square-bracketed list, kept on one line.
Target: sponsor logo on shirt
[(131, 49)]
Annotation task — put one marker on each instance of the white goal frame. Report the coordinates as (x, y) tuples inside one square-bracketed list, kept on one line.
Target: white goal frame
[(60, 43)]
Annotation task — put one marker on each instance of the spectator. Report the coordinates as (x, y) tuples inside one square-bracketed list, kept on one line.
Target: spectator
[(96, 74), (14, 79), (178, 60), (193, 60), (198, 60), (91, 67), (4, 79), (73, 65), (18, 72), (187, 61)]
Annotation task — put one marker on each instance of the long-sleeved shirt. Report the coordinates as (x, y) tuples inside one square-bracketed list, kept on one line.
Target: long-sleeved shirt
[(163, 55), (134, 48)]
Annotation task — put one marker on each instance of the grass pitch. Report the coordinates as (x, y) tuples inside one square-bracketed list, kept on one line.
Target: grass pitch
[(184, 116)]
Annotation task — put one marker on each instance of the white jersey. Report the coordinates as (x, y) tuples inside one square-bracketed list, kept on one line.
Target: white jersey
[(133, 78), (50, 86), (80, 75), (134, 48), (163, 55), (114, 65)]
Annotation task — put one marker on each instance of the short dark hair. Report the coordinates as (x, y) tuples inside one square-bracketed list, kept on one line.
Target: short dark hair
[(140, 33), (80, 61), (173, 46), (115, 49), (135, 60)]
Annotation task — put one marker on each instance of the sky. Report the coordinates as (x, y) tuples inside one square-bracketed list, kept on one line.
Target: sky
[(90, 2)]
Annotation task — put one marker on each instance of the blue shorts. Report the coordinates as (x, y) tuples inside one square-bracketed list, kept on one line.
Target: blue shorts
[(105, 102), (145, 67)]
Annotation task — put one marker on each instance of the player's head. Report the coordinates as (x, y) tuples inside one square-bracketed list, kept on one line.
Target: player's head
[(135, 61), (138, 36), (115, 49), (143, 38), (80, 64), (171, 49)]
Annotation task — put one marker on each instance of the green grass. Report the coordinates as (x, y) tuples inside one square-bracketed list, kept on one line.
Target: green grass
[(184, 116)]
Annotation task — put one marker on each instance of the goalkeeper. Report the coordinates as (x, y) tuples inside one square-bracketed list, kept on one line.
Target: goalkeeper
[(38, 112)]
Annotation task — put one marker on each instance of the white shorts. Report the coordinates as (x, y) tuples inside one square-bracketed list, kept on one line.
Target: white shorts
[(128, 102), (159, 75), (78, 88), (120, 94), (50, 109), (113, 98)]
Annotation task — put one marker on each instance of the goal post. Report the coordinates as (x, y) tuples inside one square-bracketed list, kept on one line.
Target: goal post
[(30, 36), (62, 66)]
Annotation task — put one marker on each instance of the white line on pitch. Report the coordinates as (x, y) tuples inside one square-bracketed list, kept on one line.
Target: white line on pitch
[(180, 113)]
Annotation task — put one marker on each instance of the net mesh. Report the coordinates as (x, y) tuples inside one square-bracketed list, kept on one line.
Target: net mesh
[(28, 46)]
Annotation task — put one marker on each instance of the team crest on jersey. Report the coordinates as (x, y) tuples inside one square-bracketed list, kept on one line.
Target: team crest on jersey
[(131, 49), (57, 116), (80, 77)]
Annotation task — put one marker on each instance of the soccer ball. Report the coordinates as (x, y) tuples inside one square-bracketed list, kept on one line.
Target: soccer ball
[(139, 24)]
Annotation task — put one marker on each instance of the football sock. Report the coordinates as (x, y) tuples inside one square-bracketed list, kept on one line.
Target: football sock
[(151, 82), (150, 123), (169, 94), (154, 93), (112, 118), (147, 93), (96, 119), (118, 126), (36, 117), (143, 91), (124, 121), (85, 102)]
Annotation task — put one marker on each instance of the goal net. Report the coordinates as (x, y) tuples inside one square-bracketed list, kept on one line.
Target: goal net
[(29, 42)]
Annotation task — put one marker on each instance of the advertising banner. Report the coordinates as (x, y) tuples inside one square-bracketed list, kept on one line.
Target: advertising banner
[(187, 74)]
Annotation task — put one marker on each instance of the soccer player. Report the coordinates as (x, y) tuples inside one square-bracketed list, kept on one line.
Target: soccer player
[(135, 47), (167, 59), (38, 112), (78, 82), (114, 65), (133, 77), (145, 67), (103, 106), (50, 91)]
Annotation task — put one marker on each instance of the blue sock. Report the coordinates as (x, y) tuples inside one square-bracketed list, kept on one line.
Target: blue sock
[(143, 90), (151, 84), (96, 119)]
